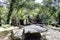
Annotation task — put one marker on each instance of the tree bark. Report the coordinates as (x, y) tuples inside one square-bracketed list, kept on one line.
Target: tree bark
[(14, 22), (0, 20), (59, 19), (10, 11), (38, 19)]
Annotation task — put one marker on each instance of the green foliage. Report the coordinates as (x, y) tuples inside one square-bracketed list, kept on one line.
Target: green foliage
[(23, 8)]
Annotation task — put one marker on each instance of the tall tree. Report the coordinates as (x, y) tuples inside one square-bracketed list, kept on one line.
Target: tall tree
[(0, 14), (59, 18), (10, 11), (58, 13), (0, 19)]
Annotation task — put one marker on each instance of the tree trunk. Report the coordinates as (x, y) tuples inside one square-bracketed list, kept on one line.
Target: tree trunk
[(21, 22), (10, 11), (0, 20), (59, 19), (14, 22), (38, 19)]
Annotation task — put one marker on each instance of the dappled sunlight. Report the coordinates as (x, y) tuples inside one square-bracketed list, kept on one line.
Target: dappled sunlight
[(29, 20)]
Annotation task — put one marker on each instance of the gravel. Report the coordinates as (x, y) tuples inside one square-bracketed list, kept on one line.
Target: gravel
[(52, 34)]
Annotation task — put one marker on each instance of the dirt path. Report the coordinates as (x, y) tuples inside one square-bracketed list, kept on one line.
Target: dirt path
[(52, 34), (5, 33)]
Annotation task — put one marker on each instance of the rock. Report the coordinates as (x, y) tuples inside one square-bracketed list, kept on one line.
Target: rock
[(34, 28), (32, 36)]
